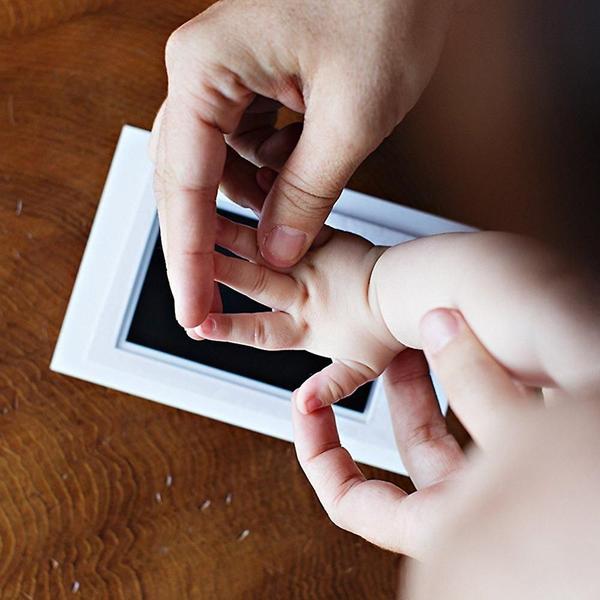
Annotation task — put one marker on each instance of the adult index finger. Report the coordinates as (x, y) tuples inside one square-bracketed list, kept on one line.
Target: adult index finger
[(190, 161), (205, 102), (479, 389)]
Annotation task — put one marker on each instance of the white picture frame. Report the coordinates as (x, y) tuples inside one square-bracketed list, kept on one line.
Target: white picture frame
[(92, 344)]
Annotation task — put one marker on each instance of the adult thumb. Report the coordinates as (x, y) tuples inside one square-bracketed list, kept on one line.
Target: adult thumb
[(479, 389), (308, 185)]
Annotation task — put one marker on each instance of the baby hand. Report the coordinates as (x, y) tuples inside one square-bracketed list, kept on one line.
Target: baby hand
[(325, 304)]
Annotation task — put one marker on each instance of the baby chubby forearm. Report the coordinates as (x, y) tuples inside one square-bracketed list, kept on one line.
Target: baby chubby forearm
[(531, 311)]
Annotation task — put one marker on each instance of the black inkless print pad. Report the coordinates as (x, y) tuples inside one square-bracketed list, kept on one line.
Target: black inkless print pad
[(154, 326)]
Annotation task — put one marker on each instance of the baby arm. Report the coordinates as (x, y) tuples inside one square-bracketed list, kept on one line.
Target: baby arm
[(360, 305), (528, 307)]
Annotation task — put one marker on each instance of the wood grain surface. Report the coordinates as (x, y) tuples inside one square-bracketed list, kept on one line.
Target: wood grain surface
[(103, 495)]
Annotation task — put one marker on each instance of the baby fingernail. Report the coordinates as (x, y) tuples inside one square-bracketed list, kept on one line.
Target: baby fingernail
[(284, 245), (192, 334), (312, 404), (438, 328)]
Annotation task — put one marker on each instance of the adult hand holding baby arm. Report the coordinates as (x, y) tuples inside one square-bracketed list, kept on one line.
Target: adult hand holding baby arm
[(532, 310), (377, 510), (353, 67), (346, 298), (312, 312)]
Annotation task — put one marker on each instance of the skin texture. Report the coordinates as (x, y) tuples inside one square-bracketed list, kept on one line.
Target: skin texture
[(363, 306), (353, 68), (534, 538)]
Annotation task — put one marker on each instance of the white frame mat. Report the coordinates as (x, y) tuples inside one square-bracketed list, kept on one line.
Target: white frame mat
[(92, 344)]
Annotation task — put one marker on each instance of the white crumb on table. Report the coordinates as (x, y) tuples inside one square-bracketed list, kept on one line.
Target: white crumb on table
[(243, 535)]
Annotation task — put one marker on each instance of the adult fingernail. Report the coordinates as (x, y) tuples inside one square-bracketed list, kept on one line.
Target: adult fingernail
[(438, 328), (284, 245)]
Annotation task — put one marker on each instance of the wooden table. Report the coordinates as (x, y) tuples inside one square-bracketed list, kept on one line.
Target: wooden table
[(109, 496)]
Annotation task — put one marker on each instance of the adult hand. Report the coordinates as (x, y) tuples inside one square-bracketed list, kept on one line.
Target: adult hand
[(480, 392), (524, 522), (353, 67)]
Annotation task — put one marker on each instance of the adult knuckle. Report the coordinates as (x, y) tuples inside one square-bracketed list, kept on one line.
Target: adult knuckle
[(425, 434), (335, 511), (176, 46), (259, 285), (410, 367), (195, 253), (407, 376), (336, 508), (304, 199), (192, 42)]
